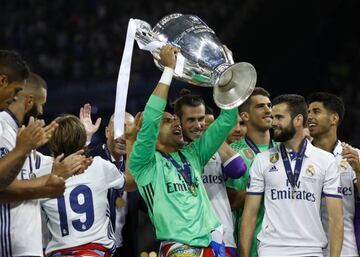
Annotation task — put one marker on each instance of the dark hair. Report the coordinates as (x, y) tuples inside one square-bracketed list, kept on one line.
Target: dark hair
[(209, 110), (331, 102), (13, 66), (296, 105), (257, 91), (188, 99), (69, 137)]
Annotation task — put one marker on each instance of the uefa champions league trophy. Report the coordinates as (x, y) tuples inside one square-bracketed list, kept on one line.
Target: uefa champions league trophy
[(205, 61)]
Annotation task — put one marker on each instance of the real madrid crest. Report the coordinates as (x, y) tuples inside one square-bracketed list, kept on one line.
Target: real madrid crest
[(310, 170), (274, 157), (343, 165), (248, 153)]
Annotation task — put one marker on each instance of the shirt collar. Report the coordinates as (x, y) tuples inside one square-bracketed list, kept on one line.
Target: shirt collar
[(308, 150), (338, 148)]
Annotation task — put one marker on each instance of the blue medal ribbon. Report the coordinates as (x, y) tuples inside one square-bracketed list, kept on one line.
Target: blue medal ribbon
[(335, 145), (184, 171), (293, 177), (254, 147)]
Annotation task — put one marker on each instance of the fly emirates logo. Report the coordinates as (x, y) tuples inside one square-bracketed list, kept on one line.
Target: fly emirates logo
[(292, 193)]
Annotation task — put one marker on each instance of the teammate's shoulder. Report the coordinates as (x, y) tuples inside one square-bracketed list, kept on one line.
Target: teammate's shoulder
[(320, 156), (321, 153)]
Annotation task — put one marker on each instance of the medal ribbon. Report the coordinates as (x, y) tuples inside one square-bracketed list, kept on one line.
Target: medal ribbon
[(333, 149), (254, 147), (184, 171), (293, 177)]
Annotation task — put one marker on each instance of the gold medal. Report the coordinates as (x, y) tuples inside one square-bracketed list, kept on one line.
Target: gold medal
[(120, 202), (193, 190)]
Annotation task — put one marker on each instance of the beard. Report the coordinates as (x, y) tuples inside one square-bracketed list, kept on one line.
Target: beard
[(285, 134), (32, 112)]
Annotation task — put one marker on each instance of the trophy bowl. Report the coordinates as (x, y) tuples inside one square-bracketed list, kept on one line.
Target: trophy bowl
[(206, 63)]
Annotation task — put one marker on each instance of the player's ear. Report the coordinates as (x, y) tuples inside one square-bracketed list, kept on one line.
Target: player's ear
[(335, 119), (298, 121), (29, 102), (107, 132), (3, 80), (244, 116)]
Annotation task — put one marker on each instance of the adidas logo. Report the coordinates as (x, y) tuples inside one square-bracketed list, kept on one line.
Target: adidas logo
[(273, 168)]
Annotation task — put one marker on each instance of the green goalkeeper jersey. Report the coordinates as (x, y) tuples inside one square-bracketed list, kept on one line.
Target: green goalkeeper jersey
[(175, 212), (248, 155)]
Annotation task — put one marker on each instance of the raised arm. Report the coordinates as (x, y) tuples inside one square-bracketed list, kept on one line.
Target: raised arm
[(209, 142), (144, 148)]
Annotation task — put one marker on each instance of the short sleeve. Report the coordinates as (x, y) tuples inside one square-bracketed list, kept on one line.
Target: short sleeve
[(332, 186), (256, 183), (46, 163), (114, 178)]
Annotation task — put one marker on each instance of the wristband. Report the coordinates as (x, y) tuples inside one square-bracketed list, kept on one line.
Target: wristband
[(166, 76)]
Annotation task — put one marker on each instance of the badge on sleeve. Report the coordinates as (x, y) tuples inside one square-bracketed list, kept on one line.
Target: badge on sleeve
[(248, 153), (3, 152)]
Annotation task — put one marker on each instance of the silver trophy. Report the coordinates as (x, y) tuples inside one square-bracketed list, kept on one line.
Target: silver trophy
[(205, 61)]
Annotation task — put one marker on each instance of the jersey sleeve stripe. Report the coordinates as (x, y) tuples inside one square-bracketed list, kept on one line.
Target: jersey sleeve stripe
[(334, 196), (254, 193), (5, 230)]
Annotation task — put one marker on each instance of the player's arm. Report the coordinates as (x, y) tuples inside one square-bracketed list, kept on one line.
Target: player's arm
[(336, 225), (255, 192), (233, 165), (51, 182), (130, 136), (143, 151), (248, 224), (211, 140), (28, 138), (236, 198), (352, 157), (49, 186), (333, 198)]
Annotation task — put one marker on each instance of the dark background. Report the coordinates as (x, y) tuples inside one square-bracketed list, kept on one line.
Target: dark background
[(296, 47)]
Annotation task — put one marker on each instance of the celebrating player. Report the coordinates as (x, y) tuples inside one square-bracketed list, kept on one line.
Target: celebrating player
[(326, 112), (292, 178)]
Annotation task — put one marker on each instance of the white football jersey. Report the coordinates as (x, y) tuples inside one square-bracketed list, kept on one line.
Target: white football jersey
[(82, 214), (20, 222), (292, 224), (347, 178), (213, 181)]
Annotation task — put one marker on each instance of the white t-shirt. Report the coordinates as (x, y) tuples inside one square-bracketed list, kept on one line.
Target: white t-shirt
[(20, 230), (347, 178), (292, 220), (82, 214), (213, 181)]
